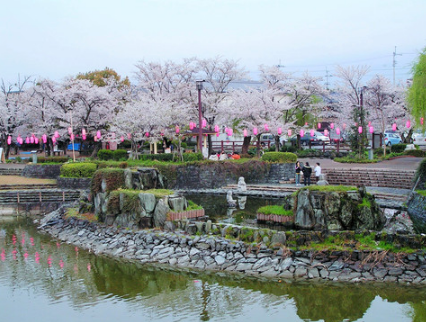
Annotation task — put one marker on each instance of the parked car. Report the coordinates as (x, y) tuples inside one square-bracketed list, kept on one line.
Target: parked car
[(268, 138), (392, 138), (419, 138), (317, 138), (334, 137)]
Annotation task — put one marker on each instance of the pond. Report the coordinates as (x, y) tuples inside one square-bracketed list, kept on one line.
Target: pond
[(217, 209), (44, 280)]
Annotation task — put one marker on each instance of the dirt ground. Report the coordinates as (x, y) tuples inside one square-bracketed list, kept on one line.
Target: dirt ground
[(17, 180)]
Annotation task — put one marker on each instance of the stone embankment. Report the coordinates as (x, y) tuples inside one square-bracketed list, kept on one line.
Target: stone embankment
[(213, 252)]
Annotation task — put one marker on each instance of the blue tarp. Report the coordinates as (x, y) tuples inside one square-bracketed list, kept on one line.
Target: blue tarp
[(76, 147)]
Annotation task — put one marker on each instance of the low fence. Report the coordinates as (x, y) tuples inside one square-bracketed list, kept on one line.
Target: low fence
[(190, 214), (275, 218)]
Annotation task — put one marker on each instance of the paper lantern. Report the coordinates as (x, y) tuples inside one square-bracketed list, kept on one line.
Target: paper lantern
[(216, 128), (95, 139), (360, 129), (204, 123), (191, 126), (306, 123), (217, 133), (84, 137), (371, 129), (422, 120), (338, 131), (289, 132), (177, 130), (302, 133), (266, 128), (19, 139), (44, 138), (319, 125), (230, 132), (32, 140), (332, 126), (72, 137), (147, 134), (122, 139), (344, 126), (53, 139), (98, 134), (244, 133), (280, 131), (36, 140), (312, 132), (56, 134), (70, 130), (9, 140), (27, 140), (255, 131), (408, 124), (369, 124), (83, 131), (129, 135), (326, 132)]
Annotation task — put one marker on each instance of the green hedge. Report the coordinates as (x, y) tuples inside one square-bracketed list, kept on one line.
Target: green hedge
[(416, 153), (119, 155), (282, 157), (159, 157), (189, 157), (398, 148), (52, 159), (105, 155), (78, 170)]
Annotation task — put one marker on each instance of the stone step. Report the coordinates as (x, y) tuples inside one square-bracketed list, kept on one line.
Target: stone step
[(10, 171), (28, 186)]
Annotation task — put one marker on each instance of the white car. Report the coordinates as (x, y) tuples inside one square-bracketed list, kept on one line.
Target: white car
[(419, 139)]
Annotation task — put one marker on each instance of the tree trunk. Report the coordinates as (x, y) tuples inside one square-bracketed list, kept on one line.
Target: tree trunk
[(246, 145)]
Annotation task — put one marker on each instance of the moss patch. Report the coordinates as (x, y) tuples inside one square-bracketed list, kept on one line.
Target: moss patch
[(275, 210)]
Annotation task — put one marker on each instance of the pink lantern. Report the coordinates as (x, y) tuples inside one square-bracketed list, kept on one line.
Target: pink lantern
[(289, 132), (306, 123), (230, 132), (36, 140), (204, 123), (356, 123), (84, 137), (9, 140), (371, 129), (70, 130), (44, 138), (360, 129), (27, 140), (53, 139), (302, 133), (408, 124), (369, 124), (98, 134), (422, 120), (312, 132), (129, 135), (19, 140), (338, 131), (266, 128), (72, 137), (122, 139), (332, 126), (177, 129), (32, 140), (191, 126), (216, 128), (319, 125), (244, 132), (217, 133), (95, 139), (56, 134), (255, 131), (83, 131), (147, 134), (326, 132), (344, 126), (280, 131)]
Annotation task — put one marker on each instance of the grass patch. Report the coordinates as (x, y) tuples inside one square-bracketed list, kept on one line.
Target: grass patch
[(330, 188), (365, 203), (158, 193), (73, 213), (275, 210), (193, 206), (421, 192)]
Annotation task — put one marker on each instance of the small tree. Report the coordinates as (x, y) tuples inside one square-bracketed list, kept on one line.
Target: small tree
[(416, 97)]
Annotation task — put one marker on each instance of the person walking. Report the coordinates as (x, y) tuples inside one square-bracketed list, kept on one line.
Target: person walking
[(317, 170), (307, 171), (298, 170)]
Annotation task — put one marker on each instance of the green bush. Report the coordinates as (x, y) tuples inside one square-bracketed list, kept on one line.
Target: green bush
[(189, 157), (416, 153), (78, 170), (275, 210), (105, 155), (52, 159), (160, 157), (398, 148), (290, 148), (119, 155), (282, 157)]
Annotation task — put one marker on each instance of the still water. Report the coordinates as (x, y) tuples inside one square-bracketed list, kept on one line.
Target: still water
[(43, 280)]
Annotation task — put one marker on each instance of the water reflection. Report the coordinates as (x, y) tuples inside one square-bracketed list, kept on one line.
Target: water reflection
[(38, 275)]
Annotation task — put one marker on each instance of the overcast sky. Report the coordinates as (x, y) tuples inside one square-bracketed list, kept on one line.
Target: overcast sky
[(58, 38)]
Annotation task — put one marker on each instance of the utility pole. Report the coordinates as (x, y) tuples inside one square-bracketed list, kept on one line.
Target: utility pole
[(327, 76), (394, 64)]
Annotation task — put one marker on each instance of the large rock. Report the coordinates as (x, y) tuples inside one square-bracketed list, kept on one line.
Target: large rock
[(160, 213), (150, 178), (321, 210), (417, 211), (177, 203), (147, 202)]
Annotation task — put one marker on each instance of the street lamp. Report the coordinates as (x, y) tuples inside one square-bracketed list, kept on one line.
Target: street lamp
[(199, 85)]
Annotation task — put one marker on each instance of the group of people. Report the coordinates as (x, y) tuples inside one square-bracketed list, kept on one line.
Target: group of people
[(223, 156), (307, 172)]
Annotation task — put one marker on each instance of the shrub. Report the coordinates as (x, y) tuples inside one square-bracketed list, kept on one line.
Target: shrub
[(275, 210), (290, 148), (113, 177), (105, 155), (416, 153), (119, 155), (52, 159), (78, 170), (189, 157), (159, 157), (282, 157), (398, 148)]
